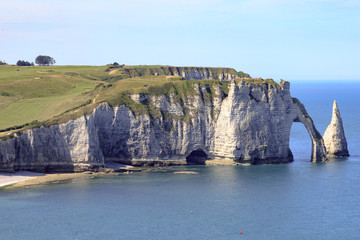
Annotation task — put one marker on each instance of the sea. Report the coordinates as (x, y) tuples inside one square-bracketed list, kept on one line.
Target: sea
[(299, 200)]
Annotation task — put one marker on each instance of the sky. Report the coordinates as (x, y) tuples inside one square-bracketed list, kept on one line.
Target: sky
[(287, 39)]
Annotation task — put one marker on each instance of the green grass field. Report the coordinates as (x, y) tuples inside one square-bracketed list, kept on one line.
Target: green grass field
[(42, 93), (39, 93), (46, 95)]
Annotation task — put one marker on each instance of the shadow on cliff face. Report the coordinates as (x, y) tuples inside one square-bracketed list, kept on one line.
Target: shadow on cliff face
[(43, 150), (197, 157), (56, 169)]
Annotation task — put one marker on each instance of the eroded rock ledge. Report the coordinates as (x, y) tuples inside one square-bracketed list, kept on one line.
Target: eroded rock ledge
[(250, 124)]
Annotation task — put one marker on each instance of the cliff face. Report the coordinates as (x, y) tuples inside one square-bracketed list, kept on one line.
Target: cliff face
[(255, 122), (249, 125), (334, 136), (66, 147), (221, 74), (206, 73)]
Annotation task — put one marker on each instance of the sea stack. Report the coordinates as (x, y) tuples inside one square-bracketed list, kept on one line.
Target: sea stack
[(334, 136)]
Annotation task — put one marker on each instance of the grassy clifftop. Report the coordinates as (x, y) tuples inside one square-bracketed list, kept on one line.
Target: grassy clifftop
[(39, 93), (148, 71), (45, 95)]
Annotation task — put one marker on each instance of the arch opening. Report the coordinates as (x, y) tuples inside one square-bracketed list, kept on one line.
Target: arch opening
[(300, 143), (197, 156)]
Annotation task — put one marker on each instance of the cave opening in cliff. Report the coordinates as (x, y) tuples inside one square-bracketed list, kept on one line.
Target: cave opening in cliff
[(197, 157), (300, 142)]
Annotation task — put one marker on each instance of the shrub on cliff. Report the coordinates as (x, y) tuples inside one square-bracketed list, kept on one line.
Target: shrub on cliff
[(113, 65)]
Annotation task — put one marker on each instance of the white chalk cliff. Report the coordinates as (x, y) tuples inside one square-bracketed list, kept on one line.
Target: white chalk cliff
[(334, 136), (250, 124)]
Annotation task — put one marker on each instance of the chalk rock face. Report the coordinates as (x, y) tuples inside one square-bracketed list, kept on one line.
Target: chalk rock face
[(255, 122), (66, 147), (249, 123), (334, 136), (203, 74)]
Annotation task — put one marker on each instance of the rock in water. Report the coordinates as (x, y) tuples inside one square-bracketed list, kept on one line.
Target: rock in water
[(334, 136)]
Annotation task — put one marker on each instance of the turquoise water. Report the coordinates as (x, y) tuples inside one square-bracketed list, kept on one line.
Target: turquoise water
[(300, 200)]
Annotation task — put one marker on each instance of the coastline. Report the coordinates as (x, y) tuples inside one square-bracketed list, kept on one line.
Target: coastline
[(20, 180), (28, 178), (7, 179)]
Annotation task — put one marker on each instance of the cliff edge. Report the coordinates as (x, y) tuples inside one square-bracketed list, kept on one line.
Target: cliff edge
[(245, 121)]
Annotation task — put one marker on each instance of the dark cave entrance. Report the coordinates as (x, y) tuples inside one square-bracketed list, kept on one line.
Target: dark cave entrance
[(197, 157)]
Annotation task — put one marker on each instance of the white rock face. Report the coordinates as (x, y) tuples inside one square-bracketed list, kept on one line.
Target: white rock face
[(255, 122), (249, 125), (66, 147), (334, 136), (203, 73), (208, 75)]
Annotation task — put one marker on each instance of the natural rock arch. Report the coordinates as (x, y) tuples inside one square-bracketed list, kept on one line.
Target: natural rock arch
[(254, 124), (318, 151)]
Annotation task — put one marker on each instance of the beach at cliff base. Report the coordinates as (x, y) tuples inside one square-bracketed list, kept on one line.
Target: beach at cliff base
[(27, 178), (24, 178), (13, 178)]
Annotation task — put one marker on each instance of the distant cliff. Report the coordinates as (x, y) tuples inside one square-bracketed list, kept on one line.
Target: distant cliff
[(221, 74), (245, 121)]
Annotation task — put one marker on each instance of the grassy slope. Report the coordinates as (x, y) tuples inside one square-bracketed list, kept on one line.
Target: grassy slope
[(39, 93), (57, 94), (30, 94)]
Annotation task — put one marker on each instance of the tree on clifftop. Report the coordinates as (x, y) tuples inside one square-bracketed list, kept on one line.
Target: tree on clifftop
[(24, 63), (44, 60)]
